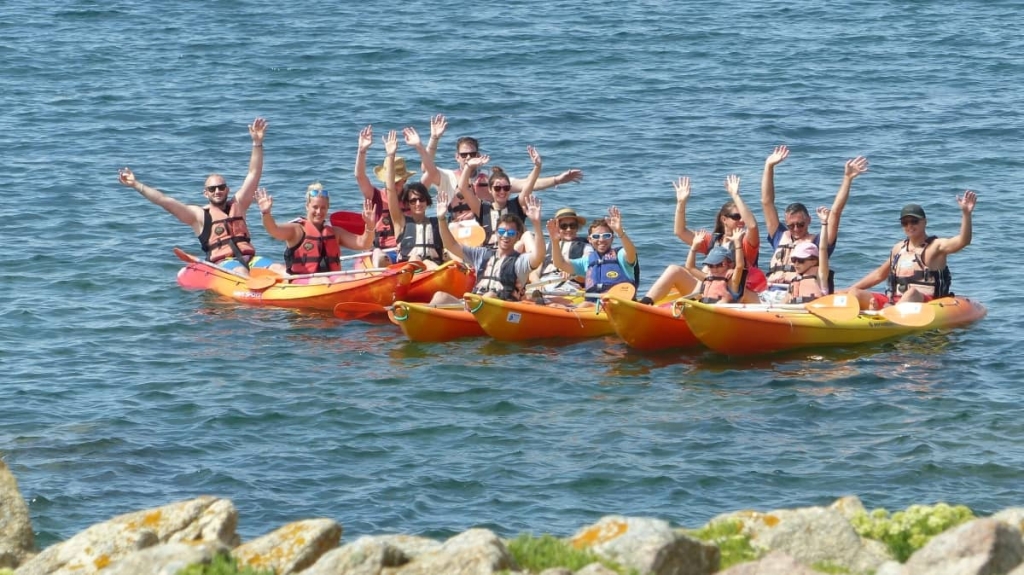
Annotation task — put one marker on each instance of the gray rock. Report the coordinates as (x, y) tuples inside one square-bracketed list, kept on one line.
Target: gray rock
[(980, 547), (891, 568), (557, 571), (291, 548), (775, 563), (104, 544), (595, 569), (647, 545), (16, 537), (475, 552), (1011, 516), (364, 556), (166, 559)]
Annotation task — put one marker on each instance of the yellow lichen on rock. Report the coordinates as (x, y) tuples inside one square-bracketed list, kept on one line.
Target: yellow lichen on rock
[(152, 519), (101, 561), (599, 534)]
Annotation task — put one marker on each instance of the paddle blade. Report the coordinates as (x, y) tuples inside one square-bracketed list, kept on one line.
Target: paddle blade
[(910, 314), (261, 283), (835, 307), (622, 291), (349, 221), (356, 310), (468, 233)]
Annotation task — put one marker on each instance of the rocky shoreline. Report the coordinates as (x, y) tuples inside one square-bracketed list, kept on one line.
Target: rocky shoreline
[(166, 539)]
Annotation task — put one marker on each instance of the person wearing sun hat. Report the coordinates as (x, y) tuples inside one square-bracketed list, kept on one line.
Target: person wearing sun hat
[(573, 246), (384, 232), (916, 269), (720, 280)]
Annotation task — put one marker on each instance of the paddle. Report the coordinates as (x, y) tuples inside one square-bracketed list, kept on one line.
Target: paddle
[(835, 307), (349, 221), (263, 278), (910, 314), (468, 233), (356, 310), (191, 259), (618, 291)]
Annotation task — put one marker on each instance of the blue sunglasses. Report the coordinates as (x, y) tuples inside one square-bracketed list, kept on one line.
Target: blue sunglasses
[(318, 194), (507, 232), (601, 236)]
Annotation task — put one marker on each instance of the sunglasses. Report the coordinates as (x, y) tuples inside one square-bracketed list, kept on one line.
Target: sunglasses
[(601, 236), (505, 188), (416, 200), (910, 221), (716, 266), (217, 188), (800, 260), (482, 184), (468, 154), (507, 232), (569, 226), (797, 225), (318, 194), (733, 217)]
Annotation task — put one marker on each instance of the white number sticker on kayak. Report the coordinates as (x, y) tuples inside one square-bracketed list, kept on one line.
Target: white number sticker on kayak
[(513, 317)]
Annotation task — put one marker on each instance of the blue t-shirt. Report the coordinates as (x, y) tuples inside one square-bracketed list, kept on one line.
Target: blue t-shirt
[(579, 265)]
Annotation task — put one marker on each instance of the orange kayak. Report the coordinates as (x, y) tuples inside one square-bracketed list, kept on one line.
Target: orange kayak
[(453, 278), (648, 327), (523, 320), (423, 322), (748, 329), (372, 287)]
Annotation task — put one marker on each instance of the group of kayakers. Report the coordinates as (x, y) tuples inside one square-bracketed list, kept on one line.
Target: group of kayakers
[(397, 227)]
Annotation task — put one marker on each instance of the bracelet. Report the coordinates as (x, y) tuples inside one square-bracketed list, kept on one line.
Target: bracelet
[(554, 181), (265, 213), (255, 145)]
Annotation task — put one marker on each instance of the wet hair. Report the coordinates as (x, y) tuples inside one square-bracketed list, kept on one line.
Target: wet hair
[(514, 220), (467, 140), (719, 226), (797, 208), (415, 187), (497, 174)]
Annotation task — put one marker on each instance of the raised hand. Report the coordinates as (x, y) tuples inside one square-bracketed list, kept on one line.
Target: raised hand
[(369, 215), (412, 137), (478, 161), (257, 130), (365, 138), (533, 208), (823, 212), (682, 189), (732, 185), (438, 125), (967, 201), (573, 175), (699, 237), (553, 230), (126, 177), (441, 205), (737, 235), (614, 220), (856, 167), (780, 153), (391, 143), (534, 155), (264, 200)]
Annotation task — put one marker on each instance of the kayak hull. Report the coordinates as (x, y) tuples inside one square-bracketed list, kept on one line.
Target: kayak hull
[(426, 323), (649, 327), (520, 321), (380, 288), (451, 277), (757, 329)]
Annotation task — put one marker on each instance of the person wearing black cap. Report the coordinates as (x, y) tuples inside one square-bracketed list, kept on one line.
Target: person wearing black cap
[(916, 269), (785, 235)]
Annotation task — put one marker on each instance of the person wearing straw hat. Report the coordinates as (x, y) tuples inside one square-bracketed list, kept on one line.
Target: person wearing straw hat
[(384, 229), (573, 246), (419, 236)]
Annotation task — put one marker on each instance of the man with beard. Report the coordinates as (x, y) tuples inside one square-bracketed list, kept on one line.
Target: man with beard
[(220, 224)]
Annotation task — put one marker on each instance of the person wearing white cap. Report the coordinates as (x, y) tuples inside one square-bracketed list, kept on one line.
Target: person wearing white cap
[(916, 270)]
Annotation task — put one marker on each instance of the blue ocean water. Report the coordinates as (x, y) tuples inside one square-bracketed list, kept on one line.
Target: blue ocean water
[(121, 391)]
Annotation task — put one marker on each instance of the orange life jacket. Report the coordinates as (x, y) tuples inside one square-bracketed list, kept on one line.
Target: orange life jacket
[(225, 234), (316, 252)]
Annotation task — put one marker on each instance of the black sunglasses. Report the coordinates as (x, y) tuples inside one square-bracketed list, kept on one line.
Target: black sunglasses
[(733, 217), (216, 188), (569, 226), (910, 221), (468, 154)]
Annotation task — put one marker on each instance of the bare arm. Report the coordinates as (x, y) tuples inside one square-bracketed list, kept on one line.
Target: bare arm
[(736, 281), (557, 259), (691, 258), (447, 239), (189, 215), (524, 196), (615, 223), (824, 214), (732, 185), (682, 196), (963, 239), (570, 175), (362, 242), (412, 138), (533, 214), (245, 194), (771, 215), (854, 168), (289, 233), (875, 277), (469, 192), (363, 145), (438, 125), (394, 208)]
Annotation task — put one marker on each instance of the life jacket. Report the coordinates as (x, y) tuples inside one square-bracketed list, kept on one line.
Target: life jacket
[(225, 234), (414, 237), (803, 289), (316, 252), (384, 231), (755, 278), (603, 272), (908, 268), (716, 288), (780, 269), (571, 250), (500, 278), (490, 216), (462, 211)]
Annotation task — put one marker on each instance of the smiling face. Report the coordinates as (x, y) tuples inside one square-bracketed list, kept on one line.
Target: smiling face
[(465, 149), (601, 237), (317, 209), (500, 191), (568, 228), (798, 225), (216, 190)]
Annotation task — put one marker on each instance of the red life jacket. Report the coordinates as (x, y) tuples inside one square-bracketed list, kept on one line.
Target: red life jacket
[(384, 231), (225, 234), (316, 252)]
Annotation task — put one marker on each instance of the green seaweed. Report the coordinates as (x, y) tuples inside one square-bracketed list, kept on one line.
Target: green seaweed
[(904, 532), (222, 564)]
